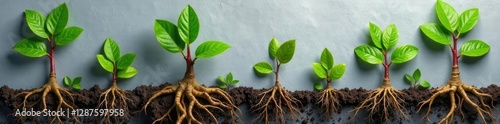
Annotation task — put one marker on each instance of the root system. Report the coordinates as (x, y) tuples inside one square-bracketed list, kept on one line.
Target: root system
[(329, 101), (114, 99), (273, 104)]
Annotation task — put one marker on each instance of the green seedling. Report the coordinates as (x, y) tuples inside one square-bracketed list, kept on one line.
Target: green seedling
[(227, 81), (53, 30), (274, 101), (326, 69), (73, 84), (385, 98), (191, 99), (414, 80), (451, 27), (119, 67)]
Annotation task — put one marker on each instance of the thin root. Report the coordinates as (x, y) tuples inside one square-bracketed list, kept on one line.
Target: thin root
[(382, 101), (111, 100), (329, 101), (273, 102)]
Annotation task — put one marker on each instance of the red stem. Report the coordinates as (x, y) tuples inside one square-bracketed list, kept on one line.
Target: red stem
[(114, 75), (277, 71), (189, 63), (51, 56), (386, 66), (454, 51)]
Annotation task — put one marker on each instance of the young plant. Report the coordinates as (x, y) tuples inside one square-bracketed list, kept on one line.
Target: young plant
[(414, 80), (385, 98), (227, 81), (455, 25), (326, 70), (274, 101), (119, 67), (189, 95), (73, 84), (53, 30)]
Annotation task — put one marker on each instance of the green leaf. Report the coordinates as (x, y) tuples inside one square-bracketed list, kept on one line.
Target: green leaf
[(369, 54), (125, 61), (189, 25), (58, 19), (318, 86), (67, 81), (327, 59), (390, 37), (447, 15), (436, 33), (36, 22), (31, 47), (417, 74), (409, 78), (127, 73), (285, 51), (263, 67), (234, 82), (77, 80), (229, 77), (211, 48), (77, 86), (105, 63), (475, 48), (168, 36), (376, 35), (111, 50), (273, 47), (68, 35), (337, 71), (319, 70), (223, 86), (424, 84), (222, 79), (468, 20), (404, 53)]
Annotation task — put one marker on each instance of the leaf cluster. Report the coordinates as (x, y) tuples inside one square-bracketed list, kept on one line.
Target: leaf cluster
[(228, 81), (326, 69), (112, 62), (73, 84), (282, 53), (414, 80)]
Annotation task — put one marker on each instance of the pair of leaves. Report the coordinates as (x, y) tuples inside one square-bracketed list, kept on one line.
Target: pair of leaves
[(227, 81), (386, 39), (283, 52), (452, 21), (111, 60), (415, 79), (75, 83), (326, 68), (373, 55)]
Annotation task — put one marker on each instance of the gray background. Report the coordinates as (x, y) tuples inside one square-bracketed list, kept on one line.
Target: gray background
[(248, 26)]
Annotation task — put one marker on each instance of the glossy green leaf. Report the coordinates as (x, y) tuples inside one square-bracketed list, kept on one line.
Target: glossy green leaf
[(229, 77), (285, 51), (376, 35), (77, 80), (36, 22), (125, 61), (57, 19), (318, 86), (31, 47), (77, 86), (369, 54), (67, 81), (222, 79), (168, 37), (447, 15), (105, 63), (127, 73), (263, 67), (436, 33), (337, 71), (111, 50), (475, 48), (468, 20), (409, 78), (404, 53), (417, 74), (327, 59), (390, 37), (223, 86), (233, 82), (211, 48), (189, 25), (319, 70), (68, 35), (424, 84), (273, 47)]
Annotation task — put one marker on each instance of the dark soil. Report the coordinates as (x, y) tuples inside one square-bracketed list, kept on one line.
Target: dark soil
[(88, 99)]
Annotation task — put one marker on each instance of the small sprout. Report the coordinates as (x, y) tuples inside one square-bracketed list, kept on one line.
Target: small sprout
[(318, 86), (73, 84), (415, 80), (227, 81)]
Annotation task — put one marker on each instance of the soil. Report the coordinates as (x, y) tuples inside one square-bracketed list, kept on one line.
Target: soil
[(88, 99)]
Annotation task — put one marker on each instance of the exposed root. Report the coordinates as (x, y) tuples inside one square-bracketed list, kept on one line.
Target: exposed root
[(273, 102), (457, 91), (114, 105), (193, 100), (383, 100), (51, 86), (329, 101)]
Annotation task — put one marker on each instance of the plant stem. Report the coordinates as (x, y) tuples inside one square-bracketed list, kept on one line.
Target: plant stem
[(386, 64), (454, 51), (115, 70), (277, 72), (52, 56), (189, 64)]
